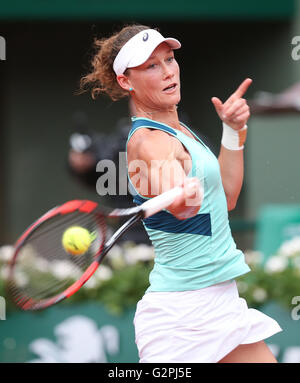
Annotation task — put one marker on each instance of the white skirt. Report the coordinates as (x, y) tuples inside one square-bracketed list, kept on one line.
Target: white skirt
[(199, 326)]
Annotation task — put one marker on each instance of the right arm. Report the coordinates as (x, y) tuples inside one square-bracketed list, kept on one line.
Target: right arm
[(154, 167)]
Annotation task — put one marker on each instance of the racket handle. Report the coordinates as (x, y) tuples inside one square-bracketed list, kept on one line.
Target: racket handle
[(162, 201)]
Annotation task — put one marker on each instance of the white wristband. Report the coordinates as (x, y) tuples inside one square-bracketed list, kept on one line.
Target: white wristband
[(233, 139)]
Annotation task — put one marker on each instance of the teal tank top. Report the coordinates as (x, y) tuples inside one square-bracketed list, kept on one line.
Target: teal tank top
[(199, 251)]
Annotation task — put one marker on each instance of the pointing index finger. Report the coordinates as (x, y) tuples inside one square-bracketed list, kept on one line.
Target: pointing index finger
[(242, 89)]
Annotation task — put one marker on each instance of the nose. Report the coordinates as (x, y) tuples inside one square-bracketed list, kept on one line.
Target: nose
[(167, 71)]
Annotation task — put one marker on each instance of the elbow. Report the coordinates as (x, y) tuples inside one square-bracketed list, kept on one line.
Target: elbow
[(231, 203)]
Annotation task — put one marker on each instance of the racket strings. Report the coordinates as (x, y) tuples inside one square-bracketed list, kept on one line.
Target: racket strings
[(84, 221), (43, 268), (48, 290), (61, 222)]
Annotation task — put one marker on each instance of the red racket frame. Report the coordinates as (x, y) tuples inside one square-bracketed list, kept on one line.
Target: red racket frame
[(83, 206)]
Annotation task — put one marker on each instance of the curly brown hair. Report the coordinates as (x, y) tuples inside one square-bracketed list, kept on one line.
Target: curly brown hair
[(102, 78)]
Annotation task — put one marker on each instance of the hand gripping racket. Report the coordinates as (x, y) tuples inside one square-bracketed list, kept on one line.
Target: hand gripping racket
[(40, 269)]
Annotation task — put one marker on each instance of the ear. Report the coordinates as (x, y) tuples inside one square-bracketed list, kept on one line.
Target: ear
[(124, 82)]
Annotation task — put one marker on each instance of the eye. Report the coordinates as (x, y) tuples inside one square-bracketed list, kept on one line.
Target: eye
[(170, 59), (151, 66)]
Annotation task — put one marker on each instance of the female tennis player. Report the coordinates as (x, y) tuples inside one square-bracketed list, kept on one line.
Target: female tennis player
[(191, 311)]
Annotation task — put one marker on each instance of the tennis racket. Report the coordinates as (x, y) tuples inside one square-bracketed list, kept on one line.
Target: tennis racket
[(31, 283)]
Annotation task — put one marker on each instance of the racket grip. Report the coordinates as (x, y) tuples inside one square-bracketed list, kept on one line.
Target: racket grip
[(162, 201)]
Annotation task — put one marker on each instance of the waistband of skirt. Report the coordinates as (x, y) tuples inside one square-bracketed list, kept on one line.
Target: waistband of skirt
[(228, 287)]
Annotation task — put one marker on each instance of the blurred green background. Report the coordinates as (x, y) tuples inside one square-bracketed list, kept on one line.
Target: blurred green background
[(48, 47), (48, 50)]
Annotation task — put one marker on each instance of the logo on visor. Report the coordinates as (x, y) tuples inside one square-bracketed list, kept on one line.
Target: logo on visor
[(145, 36)]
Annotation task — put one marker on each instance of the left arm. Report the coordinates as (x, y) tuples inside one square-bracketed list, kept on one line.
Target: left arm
[(232, 172), (234, 113)]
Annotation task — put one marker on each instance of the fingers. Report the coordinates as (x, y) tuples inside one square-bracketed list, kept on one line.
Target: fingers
[(234, 112), (191, 187), (193, 192), (242, 117), (237, 107), (217, 103), (241, 111), (241, 90), (237, 114), (189, 202)]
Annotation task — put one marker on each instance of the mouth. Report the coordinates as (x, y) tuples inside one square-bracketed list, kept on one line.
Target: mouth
[(170, 88)]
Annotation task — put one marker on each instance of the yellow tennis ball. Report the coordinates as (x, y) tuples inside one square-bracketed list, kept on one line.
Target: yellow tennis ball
[(76, 240)]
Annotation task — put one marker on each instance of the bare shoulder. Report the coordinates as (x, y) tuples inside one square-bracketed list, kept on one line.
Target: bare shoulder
[(152, 143)]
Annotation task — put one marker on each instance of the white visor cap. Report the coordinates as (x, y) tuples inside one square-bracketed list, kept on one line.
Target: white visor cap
[(139, 48)]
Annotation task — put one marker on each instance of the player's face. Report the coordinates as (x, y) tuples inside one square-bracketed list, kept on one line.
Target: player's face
[(156, 83)]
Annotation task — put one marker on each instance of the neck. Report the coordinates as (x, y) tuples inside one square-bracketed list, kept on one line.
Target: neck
[(168, 116)]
